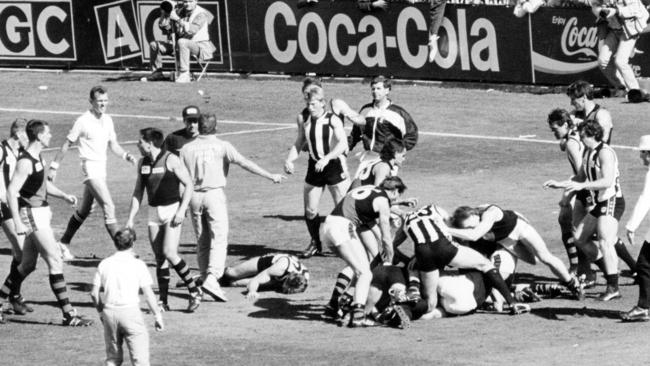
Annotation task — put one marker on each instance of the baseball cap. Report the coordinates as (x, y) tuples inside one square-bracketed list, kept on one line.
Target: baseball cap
[(644, 144), (191, 112)]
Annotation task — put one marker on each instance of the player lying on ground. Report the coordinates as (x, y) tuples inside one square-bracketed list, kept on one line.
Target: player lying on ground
[(281, 272)]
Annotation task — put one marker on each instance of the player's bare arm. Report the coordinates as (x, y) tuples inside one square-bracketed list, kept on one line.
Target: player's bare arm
[(149, 296), (23, 170), (118, 150), (340, 107), (58, 158), (488, 218), (54, 191), (608, 169), (136, 197), (174, 164), (382, 206), (294, 151)]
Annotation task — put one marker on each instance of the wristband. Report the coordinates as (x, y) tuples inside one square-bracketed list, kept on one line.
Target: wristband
[(126, 156), (54, 165)]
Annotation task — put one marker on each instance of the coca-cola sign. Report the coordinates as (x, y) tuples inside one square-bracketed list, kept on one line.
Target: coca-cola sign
[(564, 43)]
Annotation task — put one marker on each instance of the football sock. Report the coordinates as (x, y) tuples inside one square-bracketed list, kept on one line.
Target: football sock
[(624, 254), (612, 281), (12, 283), (162, 275), (183, 271), (14, 267), (495, 280), (58, 286), (601, 265), (73, 225), (571, 250), (342, 283), (313, 226), (643, 277)]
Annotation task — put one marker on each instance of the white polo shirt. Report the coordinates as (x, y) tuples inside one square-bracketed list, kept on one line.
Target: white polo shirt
[(93, 135), (119, 278)]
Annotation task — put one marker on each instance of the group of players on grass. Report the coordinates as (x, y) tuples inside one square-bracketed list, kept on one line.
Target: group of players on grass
[(461, 260)]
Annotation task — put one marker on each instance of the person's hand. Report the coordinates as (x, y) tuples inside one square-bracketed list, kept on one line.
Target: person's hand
[(565, 201), (174, 16), (387, 255), (551, 184), (129, 224), (51, 175), (159, 325), (131, 159), (252, 296), (630, 237), (178, 219), (277, 178), (321, 164), (21, 229), (288, 167), (380, 4), (71, 199), (411, 202)]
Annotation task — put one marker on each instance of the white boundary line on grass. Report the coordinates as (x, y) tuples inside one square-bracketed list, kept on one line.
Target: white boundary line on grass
[(283, 126)]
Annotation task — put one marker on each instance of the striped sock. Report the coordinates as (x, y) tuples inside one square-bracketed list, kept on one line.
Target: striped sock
[(162, 275), (183, 271), (342, 283), (571, 250), (58, 286), (74, 224), (12, 283), (624, 254)]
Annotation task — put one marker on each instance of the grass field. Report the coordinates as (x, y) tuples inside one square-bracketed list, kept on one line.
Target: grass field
[(476, 146)]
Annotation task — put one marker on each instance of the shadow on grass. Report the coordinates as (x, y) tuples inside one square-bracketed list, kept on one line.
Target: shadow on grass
[(5, 251), (522, 277), (557, 313), (80, 286), (84, 262), (285, 217), (54, 304), (281, 308), (129, 77)]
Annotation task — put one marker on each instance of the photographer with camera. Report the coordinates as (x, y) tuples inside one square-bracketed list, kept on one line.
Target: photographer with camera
[(620, 22), (186, 26)]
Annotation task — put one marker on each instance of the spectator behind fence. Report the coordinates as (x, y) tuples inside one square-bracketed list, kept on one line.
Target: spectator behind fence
[(620, 22), (189, 26)]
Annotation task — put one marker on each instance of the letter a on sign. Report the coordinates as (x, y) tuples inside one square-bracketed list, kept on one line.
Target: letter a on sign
[(117, 27)]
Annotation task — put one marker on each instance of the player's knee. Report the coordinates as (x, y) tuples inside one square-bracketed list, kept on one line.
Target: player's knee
[(310, 213), (153, 46), (171, 255), (183, 43), (27, 268)]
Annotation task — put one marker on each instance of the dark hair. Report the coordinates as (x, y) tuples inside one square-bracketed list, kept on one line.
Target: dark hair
[(208, 124), (381, 79), (310, 80), (592, 129), (391, 147), (580, 89), (124, 238), (461, 214), (392, 184), (98, 89), (558, 117), (34, 128), (153, 135), (17, 125)]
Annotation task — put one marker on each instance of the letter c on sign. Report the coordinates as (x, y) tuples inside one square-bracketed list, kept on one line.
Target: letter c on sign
[(41, 29), (279, 9)]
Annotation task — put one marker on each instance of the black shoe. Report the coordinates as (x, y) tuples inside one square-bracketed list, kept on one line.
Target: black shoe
[(312, 250), (637, 314), (71, 319), (358, 317)]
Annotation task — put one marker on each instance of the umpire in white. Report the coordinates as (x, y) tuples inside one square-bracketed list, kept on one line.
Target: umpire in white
[(119, 279), (208, 159)]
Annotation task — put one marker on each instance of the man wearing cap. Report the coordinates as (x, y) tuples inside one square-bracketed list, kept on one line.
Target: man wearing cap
[(177, 139), (208, 158), (640, 311), (94, 131)]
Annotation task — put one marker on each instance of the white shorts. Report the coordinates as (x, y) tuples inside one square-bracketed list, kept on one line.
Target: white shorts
[(337, 230), (160, 215), (93, 169), (36, 218), (456, 294), (513, 244)]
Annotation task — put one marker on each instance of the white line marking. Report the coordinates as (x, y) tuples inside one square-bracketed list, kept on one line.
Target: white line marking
[(290, 125), (141, 116), (219, 134)]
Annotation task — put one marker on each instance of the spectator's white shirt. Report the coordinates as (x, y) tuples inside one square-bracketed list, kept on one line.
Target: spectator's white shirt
[(119, 278), (93, 135)]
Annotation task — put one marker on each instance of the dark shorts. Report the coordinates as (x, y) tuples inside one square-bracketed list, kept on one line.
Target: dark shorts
[(383, 277), (614, 206), (5, 212), (584, 197), (436, 255), (264, 262), (333, 174)]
